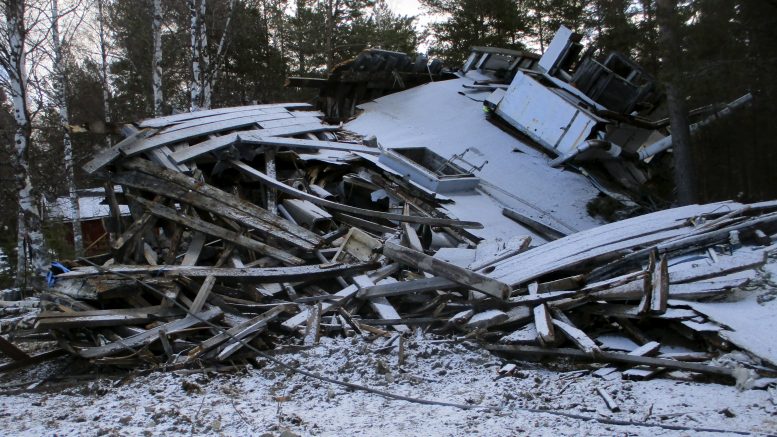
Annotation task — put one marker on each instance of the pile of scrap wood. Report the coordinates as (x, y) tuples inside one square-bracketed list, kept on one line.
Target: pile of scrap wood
[(257, 227)]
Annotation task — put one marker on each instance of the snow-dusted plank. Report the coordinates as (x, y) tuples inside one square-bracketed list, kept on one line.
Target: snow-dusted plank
[(339, 297), (146, 337), (632, 312), (260, 138), (512, 247), (659, 292), (212, 144), (741, 260), (486, 319), (455, 273), (380, 305), (408, 287), (542, 320), (602, 240), (196, 131), (284, 122), (257, 175), (524, 335), (191, 191), (248, 325), (252, 274), (178, 118), (646, 350), (224, 117), (108, 155), (294, 129), (701, 289), (577, 336)]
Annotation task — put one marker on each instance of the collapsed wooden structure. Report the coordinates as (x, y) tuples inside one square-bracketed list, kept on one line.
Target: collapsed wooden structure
[(260, 226)]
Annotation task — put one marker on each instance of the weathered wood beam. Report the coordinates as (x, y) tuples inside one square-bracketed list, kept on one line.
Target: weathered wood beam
[(262, 275), (455, 273), (219, 232), (257, 175)]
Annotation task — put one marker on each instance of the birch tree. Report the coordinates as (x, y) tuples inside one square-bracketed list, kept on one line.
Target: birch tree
[(104, 66), (60, 91), (195, 84), (13, 58), (156, 69)]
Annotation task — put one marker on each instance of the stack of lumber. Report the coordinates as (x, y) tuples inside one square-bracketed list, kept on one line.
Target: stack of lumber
[(249, 232)]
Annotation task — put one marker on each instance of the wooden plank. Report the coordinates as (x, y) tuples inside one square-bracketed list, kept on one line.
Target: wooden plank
[(107, 156), (179, 118), (255, 274), (259, 138), (219, 232), (299, 118), (214, 144), (285, 228), (11, 350), (195, 248), (613, 357), (246, 326), (257, 175), (101, 318), (611, 404), (647, 294), (380, 305), (248, 137), (408, 287), (542, 320), (535, 299), (599, 243), (544, 229), (223, 117), (486, 319), (409, 235), (741, 260), (512, 247), (632, 312), (196, 131), (148, 336), (455, 273), (269, 166), (181, 194), (576, 336), (659, 293), (341, 296)]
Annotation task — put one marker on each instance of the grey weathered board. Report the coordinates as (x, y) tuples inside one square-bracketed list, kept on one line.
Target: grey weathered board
[(179, 118), (257, 175), (593, 243), (254, 274)]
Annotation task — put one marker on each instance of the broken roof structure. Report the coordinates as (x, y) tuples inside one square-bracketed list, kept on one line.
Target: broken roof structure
[(261, 226)]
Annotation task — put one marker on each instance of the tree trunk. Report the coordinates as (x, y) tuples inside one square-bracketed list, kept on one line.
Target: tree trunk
[(156, 68), (206, 72), (104, 70), (214, 70), (684, 177), (60, 91), (30, 230), (329, 36), (195, 86)]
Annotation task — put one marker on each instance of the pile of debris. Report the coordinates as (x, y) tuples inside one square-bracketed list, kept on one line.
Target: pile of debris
[(255, 227)]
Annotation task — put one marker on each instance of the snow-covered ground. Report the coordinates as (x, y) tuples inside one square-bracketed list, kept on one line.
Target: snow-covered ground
[(271, 399)]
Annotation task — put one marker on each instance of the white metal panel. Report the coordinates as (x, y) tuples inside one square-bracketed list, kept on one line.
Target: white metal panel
[(545, 115), (555, 49)]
